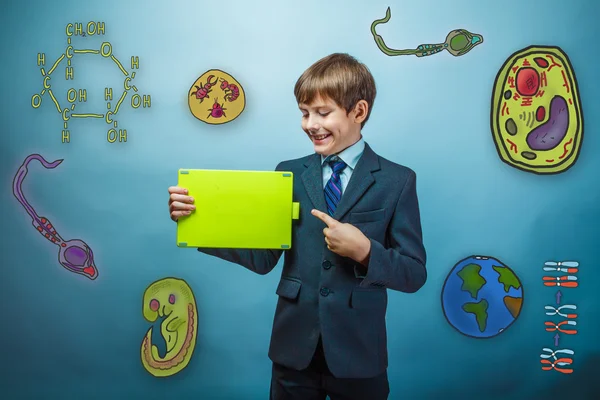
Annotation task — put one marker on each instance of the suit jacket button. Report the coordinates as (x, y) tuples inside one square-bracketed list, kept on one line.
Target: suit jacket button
[(324, 292), (326, 264)]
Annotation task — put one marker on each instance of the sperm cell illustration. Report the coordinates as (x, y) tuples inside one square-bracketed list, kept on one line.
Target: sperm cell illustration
[(75, 255), (458, 42)]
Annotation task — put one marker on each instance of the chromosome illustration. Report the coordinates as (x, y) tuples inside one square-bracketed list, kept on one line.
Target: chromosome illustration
[(75, 255), (168, 346), (80, 95), (216, 98), (550, 361), (565, 314), (458, 42), (481, 297), (536, 116)]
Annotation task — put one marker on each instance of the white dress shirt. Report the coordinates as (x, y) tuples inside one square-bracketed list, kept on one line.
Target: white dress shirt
[(350, 156)]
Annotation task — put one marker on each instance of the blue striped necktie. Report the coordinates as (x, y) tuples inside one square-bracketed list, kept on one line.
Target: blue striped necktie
[(333, 188)]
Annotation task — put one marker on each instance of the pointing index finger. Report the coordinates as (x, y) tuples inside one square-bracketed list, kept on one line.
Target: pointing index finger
[(323, 217)]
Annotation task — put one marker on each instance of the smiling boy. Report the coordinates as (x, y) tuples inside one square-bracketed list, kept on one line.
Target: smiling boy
[(359, 234)]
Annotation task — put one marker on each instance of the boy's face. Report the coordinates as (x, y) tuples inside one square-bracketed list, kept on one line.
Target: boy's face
[(328, 126)]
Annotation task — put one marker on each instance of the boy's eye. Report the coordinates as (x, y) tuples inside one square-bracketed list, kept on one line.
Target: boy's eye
[(321, 113)]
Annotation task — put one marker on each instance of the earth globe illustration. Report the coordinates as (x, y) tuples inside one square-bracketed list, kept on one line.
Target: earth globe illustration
[(481, 297)]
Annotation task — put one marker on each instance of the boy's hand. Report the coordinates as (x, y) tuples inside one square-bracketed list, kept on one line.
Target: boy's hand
[(180, 204), (345, 239)]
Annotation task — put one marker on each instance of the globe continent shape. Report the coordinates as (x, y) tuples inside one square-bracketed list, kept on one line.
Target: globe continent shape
[(481, 297)]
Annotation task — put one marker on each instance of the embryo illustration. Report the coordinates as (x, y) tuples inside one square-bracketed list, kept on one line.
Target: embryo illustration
[(168, 346), (75, 255)]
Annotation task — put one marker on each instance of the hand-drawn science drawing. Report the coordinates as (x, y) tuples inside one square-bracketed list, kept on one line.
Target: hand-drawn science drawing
[(76, 96), (168, 346), (75, 255), (481, 297), (536, 116), (216, 98), (552, 359), (563, 316), (458, 42)]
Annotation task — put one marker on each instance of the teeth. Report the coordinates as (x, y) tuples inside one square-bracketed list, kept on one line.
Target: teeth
[(320, 137)]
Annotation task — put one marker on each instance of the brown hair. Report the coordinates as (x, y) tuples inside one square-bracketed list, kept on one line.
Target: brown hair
[(341, 78)]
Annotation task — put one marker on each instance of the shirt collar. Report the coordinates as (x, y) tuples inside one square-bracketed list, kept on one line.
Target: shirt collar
[(350, 155)]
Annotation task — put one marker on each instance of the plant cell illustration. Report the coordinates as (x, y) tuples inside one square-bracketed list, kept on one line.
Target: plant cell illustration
[(536, 116)]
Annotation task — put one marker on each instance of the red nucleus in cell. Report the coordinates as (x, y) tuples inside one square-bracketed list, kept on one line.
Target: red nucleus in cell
[(528, 81)]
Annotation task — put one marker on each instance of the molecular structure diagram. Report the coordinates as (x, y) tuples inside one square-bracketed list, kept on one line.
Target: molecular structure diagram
[(80, 96)]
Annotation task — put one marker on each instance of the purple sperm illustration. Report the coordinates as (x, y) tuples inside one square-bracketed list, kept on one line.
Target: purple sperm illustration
[(75, 255)]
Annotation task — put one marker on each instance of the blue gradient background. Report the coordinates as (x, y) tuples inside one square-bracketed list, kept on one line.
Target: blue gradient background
[(67, 337)]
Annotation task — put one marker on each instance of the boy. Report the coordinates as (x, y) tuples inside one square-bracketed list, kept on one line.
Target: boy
[(359, 233)]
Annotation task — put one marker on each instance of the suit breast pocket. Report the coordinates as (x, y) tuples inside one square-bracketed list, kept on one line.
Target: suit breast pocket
[(371, 223), (367, 216)]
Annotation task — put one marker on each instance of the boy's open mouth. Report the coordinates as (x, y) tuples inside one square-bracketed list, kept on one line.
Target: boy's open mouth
[(320, 137)]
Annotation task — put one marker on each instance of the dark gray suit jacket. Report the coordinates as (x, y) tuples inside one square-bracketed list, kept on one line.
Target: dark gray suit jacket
[(322, 293)]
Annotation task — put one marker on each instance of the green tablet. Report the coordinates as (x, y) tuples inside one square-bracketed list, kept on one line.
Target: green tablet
[(238, 209)]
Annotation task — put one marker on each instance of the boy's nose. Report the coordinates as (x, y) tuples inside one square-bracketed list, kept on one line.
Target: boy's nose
[(314, 129), (313, 125)]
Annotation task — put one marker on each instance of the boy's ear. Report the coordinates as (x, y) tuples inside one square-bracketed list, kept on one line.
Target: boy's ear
[(361, 110)]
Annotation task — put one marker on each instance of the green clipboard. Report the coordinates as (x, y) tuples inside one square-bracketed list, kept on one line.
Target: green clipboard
[(238, 209)]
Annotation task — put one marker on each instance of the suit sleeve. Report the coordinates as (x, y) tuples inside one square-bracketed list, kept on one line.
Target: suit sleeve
[(260, 261), (401, 266)]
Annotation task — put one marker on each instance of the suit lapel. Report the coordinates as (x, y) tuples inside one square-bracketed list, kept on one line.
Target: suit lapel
[(312, 178), (360, 181)]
